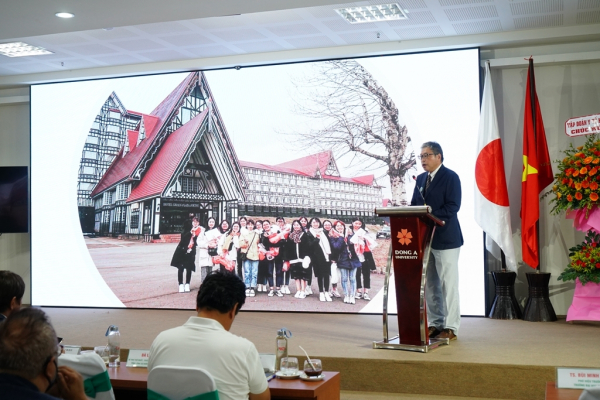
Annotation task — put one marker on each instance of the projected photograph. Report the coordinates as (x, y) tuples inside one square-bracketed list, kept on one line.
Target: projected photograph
[(160, 180)]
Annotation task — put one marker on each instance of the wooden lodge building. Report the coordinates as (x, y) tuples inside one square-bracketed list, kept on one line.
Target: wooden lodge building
[(143, 174), (177, 160)]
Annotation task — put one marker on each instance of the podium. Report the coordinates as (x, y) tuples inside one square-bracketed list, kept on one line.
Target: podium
[(412, 230)]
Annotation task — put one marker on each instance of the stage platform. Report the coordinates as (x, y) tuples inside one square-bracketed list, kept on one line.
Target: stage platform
[(491, 358)]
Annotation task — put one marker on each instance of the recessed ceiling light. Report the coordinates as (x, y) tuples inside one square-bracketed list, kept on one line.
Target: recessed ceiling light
[(20, 49), (64, 15), (382, 12)]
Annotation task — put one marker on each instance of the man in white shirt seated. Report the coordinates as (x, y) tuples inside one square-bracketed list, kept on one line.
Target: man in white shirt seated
[(204, 341)]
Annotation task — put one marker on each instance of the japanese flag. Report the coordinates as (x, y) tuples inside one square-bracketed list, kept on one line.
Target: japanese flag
[(492, 210)]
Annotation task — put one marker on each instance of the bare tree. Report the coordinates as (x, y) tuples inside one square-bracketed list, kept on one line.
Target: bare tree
[(358, 117)]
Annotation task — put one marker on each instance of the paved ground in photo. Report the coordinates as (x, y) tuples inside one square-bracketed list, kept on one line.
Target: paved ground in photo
[(140, 276)]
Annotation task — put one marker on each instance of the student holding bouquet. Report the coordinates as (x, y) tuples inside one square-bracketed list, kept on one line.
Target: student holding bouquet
[(270, 242), (319, 256), (296, 248), (346, 260), (229, 249), (249, 253), (185, 255), (284, 231), (363, 244)]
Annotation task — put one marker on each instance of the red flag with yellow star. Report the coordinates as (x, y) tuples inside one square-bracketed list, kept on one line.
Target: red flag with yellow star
[(537, 171)]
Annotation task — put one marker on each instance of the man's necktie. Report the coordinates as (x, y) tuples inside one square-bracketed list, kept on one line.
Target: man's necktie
[(428, 182)]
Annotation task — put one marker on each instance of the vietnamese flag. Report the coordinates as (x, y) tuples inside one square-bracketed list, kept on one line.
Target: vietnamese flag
[(537, 171)]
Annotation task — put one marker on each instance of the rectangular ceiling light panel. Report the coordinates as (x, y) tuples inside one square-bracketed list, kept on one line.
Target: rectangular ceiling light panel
[(20, 49), (382, 12)]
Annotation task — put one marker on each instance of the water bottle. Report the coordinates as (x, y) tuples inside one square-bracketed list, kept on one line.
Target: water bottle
[(282, 346), (114, 346)]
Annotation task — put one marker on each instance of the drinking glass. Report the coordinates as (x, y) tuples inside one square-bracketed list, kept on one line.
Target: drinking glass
[(309, 370), (102, 351), (289, 366)]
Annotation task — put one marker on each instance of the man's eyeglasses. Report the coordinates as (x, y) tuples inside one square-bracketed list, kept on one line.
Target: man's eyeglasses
[(425, 155)]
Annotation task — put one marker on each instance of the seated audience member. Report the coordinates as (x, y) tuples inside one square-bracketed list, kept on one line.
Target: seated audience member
[(12, 288), (28, 366), (204, 341)]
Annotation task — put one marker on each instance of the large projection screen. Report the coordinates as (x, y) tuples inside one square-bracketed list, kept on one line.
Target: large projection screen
[(118, 164)]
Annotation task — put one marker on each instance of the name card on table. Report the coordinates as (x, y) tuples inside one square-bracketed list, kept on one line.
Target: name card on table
[(72, 349), (138, 358), (577, 378)]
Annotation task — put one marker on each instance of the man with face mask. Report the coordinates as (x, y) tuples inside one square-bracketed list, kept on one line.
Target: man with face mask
[(28, 367)]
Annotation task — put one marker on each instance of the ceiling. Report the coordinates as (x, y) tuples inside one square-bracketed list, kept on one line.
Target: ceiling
[(148, 35)]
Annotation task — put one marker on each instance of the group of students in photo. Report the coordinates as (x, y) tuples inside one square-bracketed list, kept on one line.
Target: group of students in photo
[(268, 256)]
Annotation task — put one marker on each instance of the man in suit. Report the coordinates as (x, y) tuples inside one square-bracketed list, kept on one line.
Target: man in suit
[(439, 188), (12, 289)]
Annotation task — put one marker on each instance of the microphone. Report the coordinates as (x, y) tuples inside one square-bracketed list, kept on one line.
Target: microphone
[(420, 190)]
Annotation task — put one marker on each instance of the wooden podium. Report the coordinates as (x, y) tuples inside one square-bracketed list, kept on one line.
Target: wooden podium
[(412, 230)]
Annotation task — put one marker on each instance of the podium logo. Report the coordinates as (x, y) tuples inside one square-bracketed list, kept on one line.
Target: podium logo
[(404, 237)]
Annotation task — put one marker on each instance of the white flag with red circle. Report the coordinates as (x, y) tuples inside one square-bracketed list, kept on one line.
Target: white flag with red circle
[(492, 211)]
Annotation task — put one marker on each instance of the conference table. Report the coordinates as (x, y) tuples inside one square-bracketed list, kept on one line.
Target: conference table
[(130, 383), (553, 393)]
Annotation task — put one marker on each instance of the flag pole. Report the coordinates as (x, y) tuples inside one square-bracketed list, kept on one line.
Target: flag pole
[(538, 307), (532, 98)]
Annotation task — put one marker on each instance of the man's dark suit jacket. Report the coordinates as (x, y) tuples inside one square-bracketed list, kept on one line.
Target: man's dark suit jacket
[(443, 196)]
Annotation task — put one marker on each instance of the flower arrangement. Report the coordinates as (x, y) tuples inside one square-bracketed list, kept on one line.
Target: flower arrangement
[(585, 261), (576, 185)]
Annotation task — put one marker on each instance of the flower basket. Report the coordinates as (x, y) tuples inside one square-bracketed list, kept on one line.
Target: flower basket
[(585, 261), (577, 184), (576, 191), (586, 302)]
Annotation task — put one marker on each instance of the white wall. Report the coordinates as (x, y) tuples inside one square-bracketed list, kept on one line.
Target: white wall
[(14, 150), (564, 91)]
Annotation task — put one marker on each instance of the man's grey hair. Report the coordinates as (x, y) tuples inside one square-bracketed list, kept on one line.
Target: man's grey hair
[(27, 341), (435, 147)]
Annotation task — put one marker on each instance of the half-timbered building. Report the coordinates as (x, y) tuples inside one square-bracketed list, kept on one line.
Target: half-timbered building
[(103, 142), (177, 160)]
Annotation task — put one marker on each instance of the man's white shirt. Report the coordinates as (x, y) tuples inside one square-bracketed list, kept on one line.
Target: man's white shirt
[(233, 361)]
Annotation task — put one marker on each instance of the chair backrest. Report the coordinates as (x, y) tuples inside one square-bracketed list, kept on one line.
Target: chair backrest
[(590, 394), (93, 370), (178, 383)]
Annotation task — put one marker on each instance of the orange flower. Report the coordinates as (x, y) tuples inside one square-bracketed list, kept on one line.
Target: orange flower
[(575, 173), (583, 171), (569, 198), (578, 186), (580, 147), (585, 184), (578, 163), (596, 160), (569, 171), (593, 171), (578, 196), (571, 182), (588, 160), (594, 185), (593, 196)]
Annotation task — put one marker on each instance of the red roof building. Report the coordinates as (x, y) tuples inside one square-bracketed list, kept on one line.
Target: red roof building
[(310, 186), (176, 161)]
